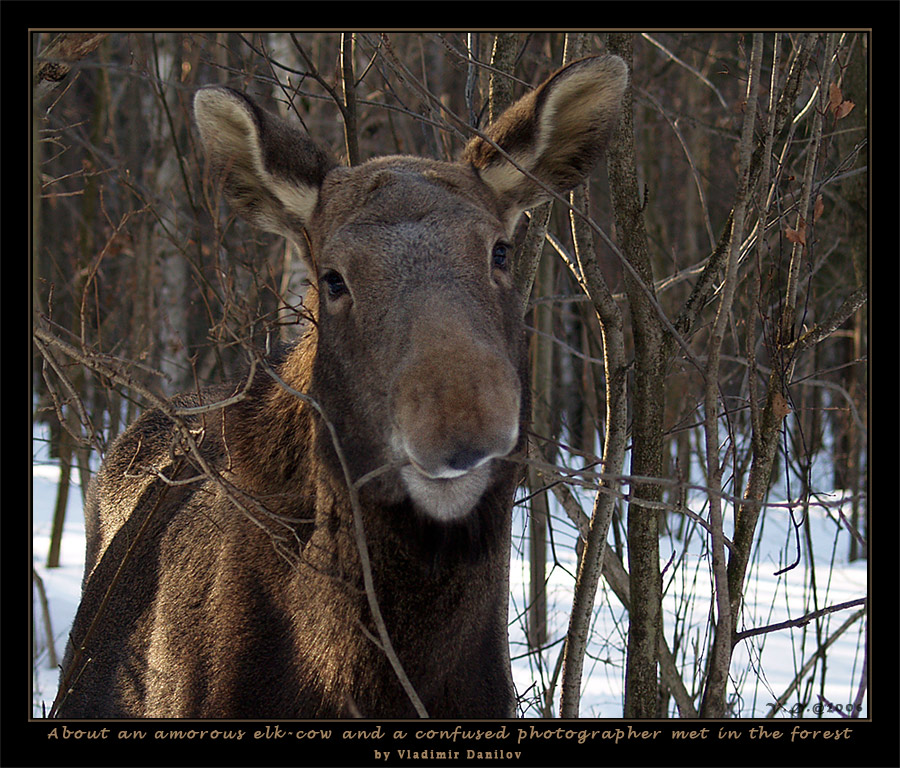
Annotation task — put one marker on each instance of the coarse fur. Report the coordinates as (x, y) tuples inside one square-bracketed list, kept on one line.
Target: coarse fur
[(224, 575)]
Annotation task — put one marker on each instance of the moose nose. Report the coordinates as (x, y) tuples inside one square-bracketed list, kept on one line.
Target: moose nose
[(450, 428), (435, 462), (456, 402), (465, 459)]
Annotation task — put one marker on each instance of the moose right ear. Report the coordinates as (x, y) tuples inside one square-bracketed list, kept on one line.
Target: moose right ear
[(271, 172), (556, 133)]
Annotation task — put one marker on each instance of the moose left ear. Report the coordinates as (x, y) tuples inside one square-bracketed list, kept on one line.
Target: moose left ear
[(556, 133), (271, 171)]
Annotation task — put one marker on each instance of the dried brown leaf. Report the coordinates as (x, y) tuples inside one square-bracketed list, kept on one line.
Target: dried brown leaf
[(837, 105), (797, 235), (835, 97), (818, 208), (844, 109), (780, 407)]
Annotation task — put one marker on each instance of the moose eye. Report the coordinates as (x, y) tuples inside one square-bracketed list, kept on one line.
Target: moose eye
[(500, 256), (334, 285)]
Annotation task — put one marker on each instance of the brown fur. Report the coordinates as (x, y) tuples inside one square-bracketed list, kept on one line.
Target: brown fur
[(230, 584)]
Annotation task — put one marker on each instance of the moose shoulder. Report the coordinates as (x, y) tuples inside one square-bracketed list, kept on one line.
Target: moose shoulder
[(235, 552)]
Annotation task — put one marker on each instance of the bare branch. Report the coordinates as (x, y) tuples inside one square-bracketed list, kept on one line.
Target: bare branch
[(801, 621), (692, 70)]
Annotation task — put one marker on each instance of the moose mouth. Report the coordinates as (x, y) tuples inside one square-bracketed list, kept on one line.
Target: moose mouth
[(446, 484), (447, 496), (461, 463)]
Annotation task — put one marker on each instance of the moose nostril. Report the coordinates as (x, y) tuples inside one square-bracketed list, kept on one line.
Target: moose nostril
[(465, 459)]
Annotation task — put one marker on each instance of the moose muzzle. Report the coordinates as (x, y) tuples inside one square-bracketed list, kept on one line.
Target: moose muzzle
[(456, 408)]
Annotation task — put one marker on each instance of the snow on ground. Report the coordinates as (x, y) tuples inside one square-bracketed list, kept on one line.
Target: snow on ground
[(63, 584), (763, 666)]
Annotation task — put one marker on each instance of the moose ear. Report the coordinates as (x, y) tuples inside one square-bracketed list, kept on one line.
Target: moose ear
[(556, 133), (271, 172)]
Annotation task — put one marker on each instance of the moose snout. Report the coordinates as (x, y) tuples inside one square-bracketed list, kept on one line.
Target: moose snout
[(438, 462), (455, 411), (444, 439)]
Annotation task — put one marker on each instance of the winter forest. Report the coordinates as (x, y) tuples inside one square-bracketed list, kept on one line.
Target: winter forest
[(690, 530)]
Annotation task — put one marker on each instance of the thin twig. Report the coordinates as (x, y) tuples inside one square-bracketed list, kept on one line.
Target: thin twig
[(699, 75), (799, 622)]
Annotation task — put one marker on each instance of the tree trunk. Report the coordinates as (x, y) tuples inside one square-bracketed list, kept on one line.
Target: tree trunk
[(641, 688), (542, 407), (62, 497)]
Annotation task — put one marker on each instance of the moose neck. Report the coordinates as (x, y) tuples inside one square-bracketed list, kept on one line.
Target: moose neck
[(441, 593), (441, 590)]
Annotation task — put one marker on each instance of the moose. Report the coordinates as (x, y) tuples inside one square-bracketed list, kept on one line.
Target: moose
[(330, 535)]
